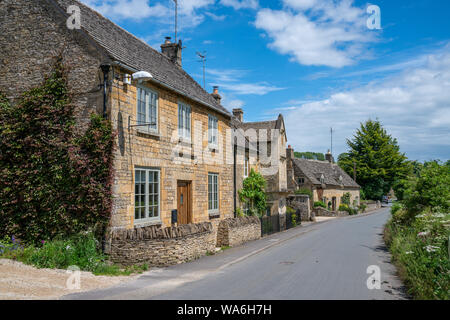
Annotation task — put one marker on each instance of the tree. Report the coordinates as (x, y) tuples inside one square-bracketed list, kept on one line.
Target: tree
[(310, 155), (379, 162), (253, 193)]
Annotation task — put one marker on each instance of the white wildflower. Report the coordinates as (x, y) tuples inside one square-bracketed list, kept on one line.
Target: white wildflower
[(431, 248), (408, 252), (423, 234)]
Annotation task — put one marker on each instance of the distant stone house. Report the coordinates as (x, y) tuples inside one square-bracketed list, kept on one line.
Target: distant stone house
[(325, 179), (173, 150), (270, 140)]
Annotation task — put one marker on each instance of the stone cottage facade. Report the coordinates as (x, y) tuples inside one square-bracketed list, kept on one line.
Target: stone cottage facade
[(269, 139), (173, 138), (325, 179)]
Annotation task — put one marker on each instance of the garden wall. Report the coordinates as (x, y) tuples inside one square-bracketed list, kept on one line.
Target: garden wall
[(300, 203), (235, 231), (322, 212), (159, 246)]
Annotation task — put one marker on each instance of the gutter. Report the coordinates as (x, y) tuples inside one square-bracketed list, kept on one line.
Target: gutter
[(120, 64)]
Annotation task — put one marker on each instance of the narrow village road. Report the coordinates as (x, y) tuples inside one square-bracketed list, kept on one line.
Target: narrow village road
[(326, 260)]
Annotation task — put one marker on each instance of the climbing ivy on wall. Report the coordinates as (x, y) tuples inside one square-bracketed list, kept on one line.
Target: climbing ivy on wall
[(53, 180)]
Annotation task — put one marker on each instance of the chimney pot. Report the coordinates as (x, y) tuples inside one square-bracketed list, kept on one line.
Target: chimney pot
[(172, 50), (216, 94)]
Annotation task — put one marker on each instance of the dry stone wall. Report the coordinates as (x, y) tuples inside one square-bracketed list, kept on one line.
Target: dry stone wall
[(235, 231), (159, 246)]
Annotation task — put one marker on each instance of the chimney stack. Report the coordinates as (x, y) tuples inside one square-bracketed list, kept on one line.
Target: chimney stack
[(239, 114), (172, 50), (216, 94), (290, 153), (329, 157)]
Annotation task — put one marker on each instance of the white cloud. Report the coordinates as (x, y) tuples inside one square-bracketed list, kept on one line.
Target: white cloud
[(231, 80), (240, 4), (128, 9), (321, 33), (260, 88), (215, 17), (189, 14), (414, 106)]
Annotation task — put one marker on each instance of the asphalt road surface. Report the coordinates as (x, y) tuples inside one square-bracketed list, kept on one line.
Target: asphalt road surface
[(327, 260)]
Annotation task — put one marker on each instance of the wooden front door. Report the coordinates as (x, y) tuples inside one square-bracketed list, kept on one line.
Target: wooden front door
[(184, 202)]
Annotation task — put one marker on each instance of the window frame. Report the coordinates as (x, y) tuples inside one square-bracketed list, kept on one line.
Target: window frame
[(301, 180), (147, 194), (213, 132), (212, 200), (184, 109), (147, 109)]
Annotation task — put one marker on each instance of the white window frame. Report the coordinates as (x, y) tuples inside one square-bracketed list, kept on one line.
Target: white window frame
[(184, 120), (146, 194), (150, 95), (246, 166), (213, 131), (213, 193)]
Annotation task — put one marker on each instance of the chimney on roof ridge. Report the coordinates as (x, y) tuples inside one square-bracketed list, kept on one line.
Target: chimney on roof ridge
[(239, 114), (216, 94), (329, 157), (172, 50)]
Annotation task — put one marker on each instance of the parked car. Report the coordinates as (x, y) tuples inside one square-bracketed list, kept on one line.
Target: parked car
[(385, 199)]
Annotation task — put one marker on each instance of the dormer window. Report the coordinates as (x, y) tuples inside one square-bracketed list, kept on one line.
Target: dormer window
[(340, 179), (322, 179)]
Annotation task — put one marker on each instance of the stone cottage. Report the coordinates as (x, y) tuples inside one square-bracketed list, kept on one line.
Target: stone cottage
[(269, 138), (325, 179), (173, 138)]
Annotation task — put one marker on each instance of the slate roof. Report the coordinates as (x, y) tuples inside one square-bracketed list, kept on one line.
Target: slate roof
[(122, 46), (259, 125), (313, 169)]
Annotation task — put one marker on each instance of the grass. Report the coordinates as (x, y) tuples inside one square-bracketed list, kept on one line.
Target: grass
[(420, 251), (81, 251)]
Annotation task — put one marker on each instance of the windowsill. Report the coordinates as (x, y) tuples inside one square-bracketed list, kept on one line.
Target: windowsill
[(146, 223), (214, 215), (213, 148), (185, 141), (149, 134)]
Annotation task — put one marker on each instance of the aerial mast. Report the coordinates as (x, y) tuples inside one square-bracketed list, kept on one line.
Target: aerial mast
[(203, 60), (176, 18)]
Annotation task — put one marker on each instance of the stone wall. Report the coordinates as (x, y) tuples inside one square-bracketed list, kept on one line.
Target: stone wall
[(301, 204), (371, 205), (161, 247), (322, 212), (32, 35), (235, 231)]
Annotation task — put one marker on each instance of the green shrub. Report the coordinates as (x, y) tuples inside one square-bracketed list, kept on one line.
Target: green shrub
[(319, 204), (304, 191), (294, 220), (253, 193), (53, 181), (80, 250), (345, 199), (343, 207), (290, 210), (420, 252), (362, 207)]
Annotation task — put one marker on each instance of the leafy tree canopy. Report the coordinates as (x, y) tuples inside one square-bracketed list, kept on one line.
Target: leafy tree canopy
[(379, 162), (310, 155)]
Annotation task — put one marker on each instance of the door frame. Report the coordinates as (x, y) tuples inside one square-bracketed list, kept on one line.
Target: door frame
[(188, 199)]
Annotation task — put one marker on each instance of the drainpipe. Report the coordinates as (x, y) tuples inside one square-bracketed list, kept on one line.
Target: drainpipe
[(234, 177), (105, 69)]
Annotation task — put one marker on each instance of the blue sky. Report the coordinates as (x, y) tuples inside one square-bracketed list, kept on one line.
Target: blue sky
[(316, 62)]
